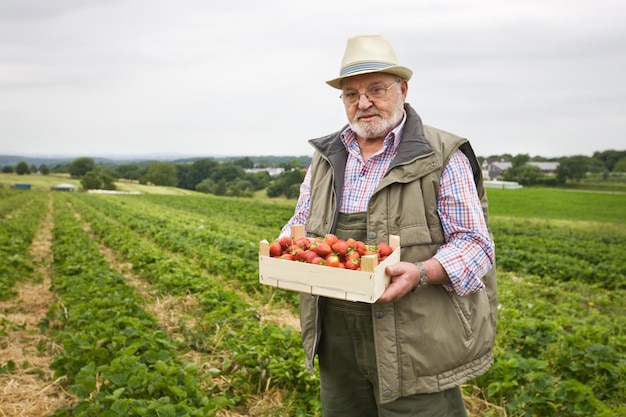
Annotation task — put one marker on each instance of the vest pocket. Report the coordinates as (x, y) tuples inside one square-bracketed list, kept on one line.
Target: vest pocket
[(462, 311), (415, 235)]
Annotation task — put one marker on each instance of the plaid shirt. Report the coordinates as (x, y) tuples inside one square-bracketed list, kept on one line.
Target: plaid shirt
[(468, 252)]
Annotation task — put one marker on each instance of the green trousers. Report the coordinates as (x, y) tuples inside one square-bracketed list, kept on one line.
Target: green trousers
[(349, 377), (347, 359)]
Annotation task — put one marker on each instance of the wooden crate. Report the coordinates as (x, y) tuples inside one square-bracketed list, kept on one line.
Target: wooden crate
[(344, 284)]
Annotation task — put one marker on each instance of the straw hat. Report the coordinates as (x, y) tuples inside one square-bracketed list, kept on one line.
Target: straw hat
[(369, 53)]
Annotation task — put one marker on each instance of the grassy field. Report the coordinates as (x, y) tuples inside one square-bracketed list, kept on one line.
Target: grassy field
[(45, 182), (558, 204)]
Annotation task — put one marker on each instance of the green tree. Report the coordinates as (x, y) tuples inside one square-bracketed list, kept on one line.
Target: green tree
[(609, 158), (98, 179), (523, 174), (128, 171), (259, 180), (162, 173), (620, 166), (293, 164), (44, 169), (81, 166), (572, 168), (520, 160), (286, 184), (244, 162), (91, 181), (8, 169), (205, 186), (22, 168), (190, 177), (227, 171)]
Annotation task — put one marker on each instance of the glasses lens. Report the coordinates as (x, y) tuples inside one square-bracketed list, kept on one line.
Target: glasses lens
[(371, 93), (376, 92), (350, 96)]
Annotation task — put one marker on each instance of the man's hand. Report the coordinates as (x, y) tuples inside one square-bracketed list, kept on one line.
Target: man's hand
[(404, 277)]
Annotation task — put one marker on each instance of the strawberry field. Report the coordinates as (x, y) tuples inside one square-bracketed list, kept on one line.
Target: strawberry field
[(150, 305)]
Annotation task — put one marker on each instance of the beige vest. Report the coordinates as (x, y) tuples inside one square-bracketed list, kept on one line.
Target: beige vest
[(430, 340)]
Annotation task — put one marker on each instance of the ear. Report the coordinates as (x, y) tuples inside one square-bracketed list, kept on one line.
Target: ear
[(404, 87)]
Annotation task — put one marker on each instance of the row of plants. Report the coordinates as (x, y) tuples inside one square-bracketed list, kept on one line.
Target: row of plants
[(560, 349), (222, 238), (560, 346), (248, 356), (521, 347), (115, 358), (550, 250), (21, 216), (178, 230), (562, 293)]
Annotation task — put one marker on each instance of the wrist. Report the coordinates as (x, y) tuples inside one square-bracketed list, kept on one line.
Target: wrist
[(423, 276)]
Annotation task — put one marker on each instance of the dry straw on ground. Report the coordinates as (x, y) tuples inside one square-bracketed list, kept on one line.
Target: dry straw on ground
[(29, 389)]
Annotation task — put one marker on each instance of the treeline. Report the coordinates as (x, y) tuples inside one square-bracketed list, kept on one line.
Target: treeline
[(240, 177), (570, 169), (236, 177)]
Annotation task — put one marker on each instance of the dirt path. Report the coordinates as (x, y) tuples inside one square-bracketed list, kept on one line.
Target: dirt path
[(29, 389)]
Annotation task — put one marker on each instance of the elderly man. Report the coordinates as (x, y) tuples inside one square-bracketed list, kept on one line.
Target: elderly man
[(385, 173)]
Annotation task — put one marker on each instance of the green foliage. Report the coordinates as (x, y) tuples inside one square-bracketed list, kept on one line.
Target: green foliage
[(98, 179), (558, 204), (524, 174), (560, 343), (162, 173), (79, 167), (189, 176), (22, 168), (211, 250), (620, 166), (573, 168), (115, 357), (286, 184), (574, 255), (21, 215), (129, 171), (560, 349), (609, 159)]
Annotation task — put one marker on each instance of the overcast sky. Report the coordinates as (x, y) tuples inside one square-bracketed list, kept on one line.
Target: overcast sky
[(247, 77)]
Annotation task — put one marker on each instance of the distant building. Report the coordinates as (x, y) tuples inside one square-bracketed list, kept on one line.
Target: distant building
[(64, 187), (272, 171), (495, 168), (545, 167)]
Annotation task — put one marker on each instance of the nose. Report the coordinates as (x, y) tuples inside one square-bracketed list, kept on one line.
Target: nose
[(364, 101)]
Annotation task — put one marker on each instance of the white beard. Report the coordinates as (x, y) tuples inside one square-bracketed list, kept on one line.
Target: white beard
[(379, 127)]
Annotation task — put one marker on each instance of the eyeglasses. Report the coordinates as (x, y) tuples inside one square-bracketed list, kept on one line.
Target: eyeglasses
[(373, 93)]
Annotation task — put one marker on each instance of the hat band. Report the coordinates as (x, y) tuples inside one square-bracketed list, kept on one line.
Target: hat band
[(361, 67)]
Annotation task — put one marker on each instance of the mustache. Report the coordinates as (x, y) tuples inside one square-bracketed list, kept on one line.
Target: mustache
[(360, 114)]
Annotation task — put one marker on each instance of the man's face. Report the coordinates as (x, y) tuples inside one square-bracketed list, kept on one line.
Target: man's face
[(374, 117)]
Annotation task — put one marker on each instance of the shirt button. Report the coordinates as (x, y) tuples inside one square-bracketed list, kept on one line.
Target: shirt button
[(387, 393), (372, 235), (379, 314)]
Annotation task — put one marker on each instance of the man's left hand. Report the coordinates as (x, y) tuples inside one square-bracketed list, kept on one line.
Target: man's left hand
[(404, 277)]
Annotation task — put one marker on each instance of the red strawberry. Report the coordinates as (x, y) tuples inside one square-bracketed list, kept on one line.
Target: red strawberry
[(275, 249), (340, 247), (323, 249), (384, 249)]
